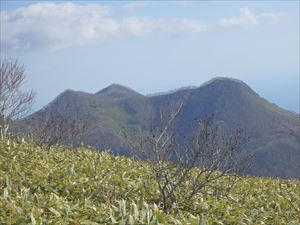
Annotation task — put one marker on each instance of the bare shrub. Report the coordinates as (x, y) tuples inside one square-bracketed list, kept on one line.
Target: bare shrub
[(183, 170), (50, 130), (14, 102)]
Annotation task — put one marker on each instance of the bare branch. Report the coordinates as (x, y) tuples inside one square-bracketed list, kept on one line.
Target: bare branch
[(51, 129), (213, 153), (14, 103)]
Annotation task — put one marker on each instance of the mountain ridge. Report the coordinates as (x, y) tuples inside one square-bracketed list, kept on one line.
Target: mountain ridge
[(117, 109)]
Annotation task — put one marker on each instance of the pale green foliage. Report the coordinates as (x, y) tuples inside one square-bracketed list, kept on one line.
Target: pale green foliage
[(83, 186)]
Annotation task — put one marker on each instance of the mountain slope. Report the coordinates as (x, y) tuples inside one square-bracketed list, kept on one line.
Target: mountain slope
[(116, 110), (235, 105), (82, 186)]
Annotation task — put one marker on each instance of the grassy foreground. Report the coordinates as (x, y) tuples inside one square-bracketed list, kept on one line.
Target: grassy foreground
[(83, 186)]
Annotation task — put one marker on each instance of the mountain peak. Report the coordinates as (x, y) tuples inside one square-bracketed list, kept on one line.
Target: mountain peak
[(223, 79), (118, 91), (227, 82)]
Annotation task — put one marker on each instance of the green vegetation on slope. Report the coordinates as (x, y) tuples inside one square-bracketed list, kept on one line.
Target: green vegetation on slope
[(116, 117), (83, 186)]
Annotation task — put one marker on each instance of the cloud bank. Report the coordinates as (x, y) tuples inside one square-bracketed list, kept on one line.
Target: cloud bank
[(246, 18), (61, 25), (50, 25), (243, 18)]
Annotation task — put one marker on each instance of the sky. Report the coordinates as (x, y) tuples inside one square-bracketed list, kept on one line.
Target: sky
[(154, 46)]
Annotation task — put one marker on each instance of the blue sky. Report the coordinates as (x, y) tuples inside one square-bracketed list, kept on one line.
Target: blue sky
[(154, 46)]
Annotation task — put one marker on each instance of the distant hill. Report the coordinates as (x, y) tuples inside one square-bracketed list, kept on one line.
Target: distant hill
[(116, 110)]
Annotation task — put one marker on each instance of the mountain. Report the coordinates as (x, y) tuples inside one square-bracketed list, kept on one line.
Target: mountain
[(117, 91), (116, 110)]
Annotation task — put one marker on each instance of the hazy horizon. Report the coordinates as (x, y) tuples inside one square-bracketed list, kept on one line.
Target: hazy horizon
[(154, 47)]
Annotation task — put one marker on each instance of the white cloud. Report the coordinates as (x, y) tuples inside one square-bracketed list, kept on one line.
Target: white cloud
[(129, 7), (273, 16), (54, 26), (60, 25), (246, 18), (195, 25), (144, 26), (243, 18)]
